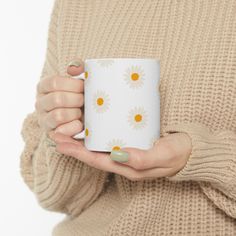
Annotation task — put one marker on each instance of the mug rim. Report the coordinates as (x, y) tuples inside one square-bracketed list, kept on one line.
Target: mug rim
[(123, 58)]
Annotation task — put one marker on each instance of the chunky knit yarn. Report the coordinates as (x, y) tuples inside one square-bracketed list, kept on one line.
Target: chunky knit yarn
[(195, 41)]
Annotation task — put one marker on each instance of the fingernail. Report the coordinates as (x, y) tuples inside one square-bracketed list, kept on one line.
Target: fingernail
[(119, 155), (74, 63)]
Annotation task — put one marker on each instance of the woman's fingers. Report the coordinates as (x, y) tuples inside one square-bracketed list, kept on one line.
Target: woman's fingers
[(59, 99), (75, 67), (62, 138), (102, 161), (70, 128), (58, 83), (59, 116), (99, 160)]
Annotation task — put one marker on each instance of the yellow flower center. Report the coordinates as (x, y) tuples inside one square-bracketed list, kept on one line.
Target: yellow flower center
[(86, 132), (86, 74), (138, 118), (100, 101), (116, 148), (135, 76)]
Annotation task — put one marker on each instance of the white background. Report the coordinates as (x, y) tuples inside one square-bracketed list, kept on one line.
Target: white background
[(23, 36)]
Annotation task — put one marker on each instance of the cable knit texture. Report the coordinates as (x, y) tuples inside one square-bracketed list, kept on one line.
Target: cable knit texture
[(195, 41)]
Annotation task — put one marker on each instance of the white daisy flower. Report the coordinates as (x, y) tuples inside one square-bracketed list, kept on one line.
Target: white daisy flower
[(115, 144), (134, 76), (87, 74), (105, 62), (87, 131), (137, 117), (101, 101)]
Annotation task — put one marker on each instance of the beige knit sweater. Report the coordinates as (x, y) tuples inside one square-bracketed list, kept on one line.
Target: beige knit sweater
[(196, 43)]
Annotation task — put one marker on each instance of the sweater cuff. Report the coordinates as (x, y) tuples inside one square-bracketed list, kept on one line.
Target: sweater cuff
[(213, 156)]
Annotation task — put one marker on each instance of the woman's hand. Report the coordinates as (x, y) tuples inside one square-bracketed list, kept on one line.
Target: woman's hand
[(60, 100), (168, 155)]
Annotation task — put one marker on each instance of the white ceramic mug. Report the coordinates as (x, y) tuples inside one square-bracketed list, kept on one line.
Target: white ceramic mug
[(121, 103)]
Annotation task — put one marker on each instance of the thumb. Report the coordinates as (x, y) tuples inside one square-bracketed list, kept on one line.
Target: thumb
[(75, 67)]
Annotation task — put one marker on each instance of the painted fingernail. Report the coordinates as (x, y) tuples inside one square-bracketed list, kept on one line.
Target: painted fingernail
[(119, 155), (74, 63)]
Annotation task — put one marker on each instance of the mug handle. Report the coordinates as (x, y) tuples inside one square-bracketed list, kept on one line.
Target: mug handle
[(80, 135)]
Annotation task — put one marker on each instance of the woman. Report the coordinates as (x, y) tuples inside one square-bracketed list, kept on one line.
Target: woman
[(186, 183)]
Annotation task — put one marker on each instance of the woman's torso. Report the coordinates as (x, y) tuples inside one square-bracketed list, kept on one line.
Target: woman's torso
[(196, 44)]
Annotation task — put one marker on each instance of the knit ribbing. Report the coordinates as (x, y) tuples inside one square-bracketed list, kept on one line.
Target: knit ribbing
[(64, 169), (216, 149), (55, 178), (213, 160), (196, 44)]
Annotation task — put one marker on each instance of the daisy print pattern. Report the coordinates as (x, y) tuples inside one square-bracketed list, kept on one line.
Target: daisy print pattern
[(137, 118), (115, 144), (101, 101), (105, 62), (87, 74), (88, 131), (134, 76)]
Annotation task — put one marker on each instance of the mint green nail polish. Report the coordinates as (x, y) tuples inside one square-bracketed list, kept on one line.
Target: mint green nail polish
[(74, 63), (120, 156)]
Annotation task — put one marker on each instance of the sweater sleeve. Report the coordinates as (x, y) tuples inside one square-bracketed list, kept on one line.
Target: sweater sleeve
[(60, 183), (212, 163)]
